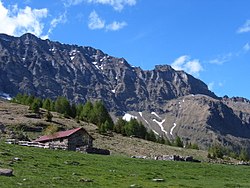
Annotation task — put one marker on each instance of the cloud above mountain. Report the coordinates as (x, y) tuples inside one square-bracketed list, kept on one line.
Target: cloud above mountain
[(16, 21), (96, 22), (185, 63)]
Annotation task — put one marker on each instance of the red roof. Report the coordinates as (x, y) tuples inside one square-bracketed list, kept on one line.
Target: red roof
[(61, 134)]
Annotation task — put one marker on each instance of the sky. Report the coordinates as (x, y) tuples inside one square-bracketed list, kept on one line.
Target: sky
[(209, 39)]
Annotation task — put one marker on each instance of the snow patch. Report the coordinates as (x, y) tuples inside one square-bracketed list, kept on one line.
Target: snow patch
[(153, 113), (72, 54), (52, 49), (155, 132), (143, 118), (128, 117), (5, 96), (171, 130), (113, 90), (160, 125)]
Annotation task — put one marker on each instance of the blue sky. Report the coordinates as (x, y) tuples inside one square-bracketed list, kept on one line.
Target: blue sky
[(209, 39)]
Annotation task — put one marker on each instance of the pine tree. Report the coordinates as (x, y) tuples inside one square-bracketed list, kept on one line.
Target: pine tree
[(142, 131), (100, 115), (178, 142), (18, 98), (86, 112), (243, 155), (29, 100), (47, 104), (73, 111), (104, 127), (62, 106), (120, 125), (35, 106)]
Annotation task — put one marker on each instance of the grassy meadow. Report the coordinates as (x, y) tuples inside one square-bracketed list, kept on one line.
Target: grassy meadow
[(50, 168)]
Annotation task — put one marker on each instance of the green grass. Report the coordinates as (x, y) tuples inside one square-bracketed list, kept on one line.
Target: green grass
[(48, 168)]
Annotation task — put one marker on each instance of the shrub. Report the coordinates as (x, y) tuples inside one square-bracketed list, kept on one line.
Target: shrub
[(48, 116)]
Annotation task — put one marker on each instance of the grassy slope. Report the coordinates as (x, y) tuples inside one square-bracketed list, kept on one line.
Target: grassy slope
[(48, 168), (14, 114)]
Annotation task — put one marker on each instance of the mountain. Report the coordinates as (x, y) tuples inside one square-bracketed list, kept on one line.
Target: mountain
[(167, 101), (49, 69)]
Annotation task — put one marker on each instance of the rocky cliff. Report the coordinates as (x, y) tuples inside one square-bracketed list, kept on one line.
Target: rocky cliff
[(49, 69)]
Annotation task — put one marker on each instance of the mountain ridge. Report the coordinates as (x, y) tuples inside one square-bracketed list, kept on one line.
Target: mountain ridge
[(169, 102), (51, 65)]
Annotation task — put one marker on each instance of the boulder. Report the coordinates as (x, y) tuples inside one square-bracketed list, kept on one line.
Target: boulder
[(6, 172)]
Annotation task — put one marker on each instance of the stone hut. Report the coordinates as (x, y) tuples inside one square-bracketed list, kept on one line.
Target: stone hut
[(73, 139)]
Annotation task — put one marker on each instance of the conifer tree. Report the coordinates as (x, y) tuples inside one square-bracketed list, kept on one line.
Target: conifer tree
[(120, 126), (243, 155), (35, 106), (47, 104), (178, 142), (86, 112), (62, 106), (100, 115)]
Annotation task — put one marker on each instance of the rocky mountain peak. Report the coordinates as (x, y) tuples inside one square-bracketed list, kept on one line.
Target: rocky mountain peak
[(48, 69)]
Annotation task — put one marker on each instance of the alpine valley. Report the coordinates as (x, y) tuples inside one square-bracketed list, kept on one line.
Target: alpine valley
[(169, 102)]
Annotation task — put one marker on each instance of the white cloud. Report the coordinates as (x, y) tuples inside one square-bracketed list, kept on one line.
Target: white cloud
[(245, 28), (118, 5), (27, 1), (68, 3), (95, 22), (246, 47), (61, 19), (16, 21), (188, 65), (211, 86), (115, 26), (222, 59), (220, 84)]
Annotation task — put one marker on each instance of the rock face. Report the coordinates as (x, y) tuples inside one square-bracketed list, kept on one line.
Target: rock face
[(49, 69), (203, 120), (167, 101)]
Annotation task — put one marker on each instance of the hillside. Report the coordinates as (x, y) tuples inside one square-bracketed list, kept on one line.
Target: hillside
[(16, 118)]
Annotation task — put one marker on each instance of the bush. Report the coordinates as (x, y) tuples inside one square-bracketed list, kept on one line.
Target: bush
[(216, 151), (48, 116), (178, 142), (243, 155)]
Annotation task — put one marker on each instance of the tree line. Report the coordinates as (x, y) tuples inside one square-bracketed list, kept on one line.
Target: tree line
[(93, 113), (218, 151), (97, 114)]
